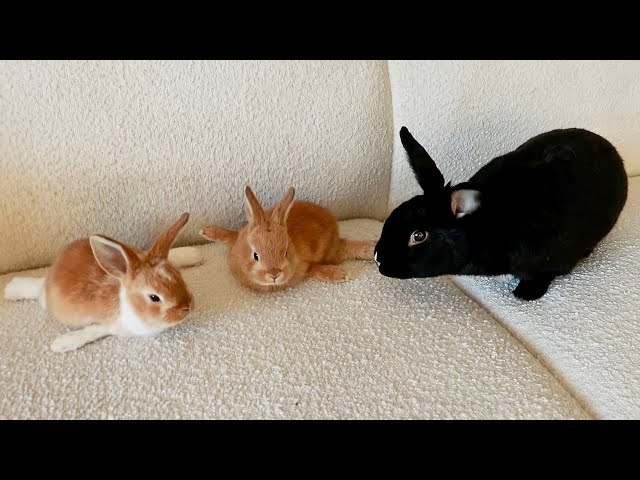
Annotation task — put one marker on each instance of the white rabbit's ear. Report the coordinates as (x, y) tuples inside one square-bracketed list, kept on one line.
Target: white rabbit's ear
[(464, 202)]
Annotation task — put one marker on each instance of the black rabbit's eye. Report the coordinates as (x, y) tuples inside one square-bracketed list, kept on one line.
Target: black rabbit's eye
[(154, 297), (417, 237), (255, 256)]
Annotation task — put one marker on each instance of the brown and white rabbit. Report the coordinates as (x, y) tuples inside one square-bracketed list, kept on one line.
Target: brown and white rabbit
[(111, 288), (278, 247)]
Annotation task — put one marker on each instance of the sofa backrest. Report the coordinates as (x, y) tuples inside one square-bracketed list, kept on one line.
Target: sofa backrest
[(467, 112), (124, 147)]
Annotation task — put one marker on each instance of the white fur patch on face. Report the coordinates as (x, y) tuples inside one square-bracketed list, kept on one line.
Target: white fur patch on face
[(130, 323), (464, 202), (164, 272), (375, 259)]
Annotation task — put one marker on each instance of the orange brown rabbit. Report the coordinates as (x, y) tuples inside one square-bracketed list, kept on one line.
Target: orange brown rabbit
[(280, 246), (104, 287)]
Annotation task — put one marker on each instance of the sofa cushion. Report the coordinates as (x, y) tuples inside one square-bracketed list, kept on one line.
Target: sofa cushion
[(124, 147), (467, 112), (372, 347), (586, 328)]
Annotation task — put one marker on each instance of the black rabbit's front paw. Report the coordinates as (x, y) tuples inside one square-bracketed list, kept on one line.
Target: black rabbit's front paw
[(532, 288)]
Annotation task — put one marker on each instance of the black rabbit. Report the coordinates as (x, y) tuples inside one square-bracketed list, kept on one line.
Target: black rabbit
[(534, 212)]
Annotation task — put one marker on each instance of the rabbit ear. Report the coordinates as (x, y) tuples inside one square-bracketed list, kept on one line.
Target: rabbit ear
[(282, 209), (162, 245), (113, 257), (464, 202), (424, 168), (252, 206)]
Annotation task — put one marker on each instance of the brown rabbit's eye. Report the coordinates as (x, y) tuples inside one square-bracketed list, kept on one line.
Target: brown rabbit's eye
[(255, 256), (417, 237), (154, 297)]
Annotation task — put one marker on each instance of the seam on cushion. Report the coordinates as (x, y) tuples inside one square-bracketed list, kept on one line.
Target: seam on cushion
[(14, 271), (387, 81), (557, 375)]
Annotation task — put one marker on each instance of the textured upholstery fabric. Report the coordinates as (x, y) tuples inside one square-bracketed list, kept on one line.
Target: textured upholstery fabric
[(586, 329), (123, 148), (368, 348), (467, 112)]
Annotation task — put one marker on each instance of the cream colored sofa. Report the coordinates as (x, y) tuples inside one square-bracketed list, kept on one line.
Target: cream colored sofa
[(122, 148)]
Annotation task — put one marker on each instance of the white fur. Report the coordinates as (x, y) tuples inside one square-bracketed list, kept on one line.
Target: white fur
[(130, 324), (375, 258), (185, 257), (78, 338), (24, 288), (164, 273)]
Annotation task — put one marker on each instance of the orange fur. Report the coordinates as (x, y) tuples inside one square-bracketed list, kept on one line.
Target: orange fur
[(293, 240), (217, 234), (82, 290), (355, 249), (78, 290)]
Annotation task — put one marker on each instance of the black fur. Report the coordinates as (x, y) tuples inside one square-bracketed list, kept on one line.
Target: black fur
[(543, 207)]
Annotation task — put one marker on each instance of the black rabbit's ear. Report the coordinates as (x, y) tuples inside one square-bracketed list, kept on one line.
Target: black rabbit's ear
[(464, 202), (424, 168)]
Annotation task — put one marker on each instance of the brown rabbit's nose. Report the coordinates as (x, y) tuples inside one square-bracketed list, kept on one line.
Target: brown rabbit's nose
[(187, 309), (274, 273)]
